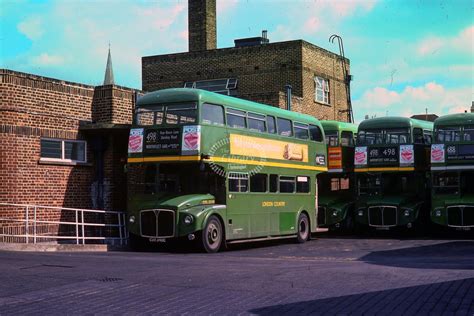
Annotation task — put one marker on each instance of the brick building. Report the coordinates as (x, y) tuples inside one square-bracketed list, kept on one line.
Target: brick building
[(63, 143), (254, 69)]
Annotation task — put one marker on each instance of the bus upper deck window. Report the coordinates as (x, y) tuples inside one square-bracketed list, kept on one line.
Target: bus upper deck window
[(271, 128), (315, 133), (256, 122), (181, 113), (448, 134), (212, 114), (347, 138), (418, 136), (301, 130), (469, 133), (332, 139), (236, 118), (147, 116), (284, 127)]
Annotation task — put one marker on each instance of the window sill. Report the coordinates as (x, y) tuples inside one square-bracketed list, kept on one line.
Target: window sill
[(322, 103), (46, 161)]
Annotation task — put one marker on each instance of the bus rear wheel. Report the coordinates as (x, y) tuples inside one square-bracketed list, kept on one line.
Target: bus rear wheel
[(303, 228), (212, 235)]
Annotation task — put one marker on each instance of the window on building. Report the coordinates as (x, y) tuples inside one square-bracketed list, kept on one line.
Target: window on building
[(238, 182), (284, 127), (302, 184), (258, 183), (226, 86), (212, 114), (256, 122), (287, 184), (315, 133), (63, 150), (301, 130), (271, 128), (236, 118), (321, 90)]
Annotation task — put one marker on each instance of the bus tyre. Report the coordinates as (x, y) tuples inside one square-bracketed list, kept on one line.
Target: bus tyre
[(303, 228), (212, 235)]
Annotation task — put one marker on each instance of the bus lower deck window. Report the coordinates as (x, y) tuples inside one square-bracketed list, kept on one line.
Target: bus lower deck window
[(302, 184), (238, 182), (287, 184)]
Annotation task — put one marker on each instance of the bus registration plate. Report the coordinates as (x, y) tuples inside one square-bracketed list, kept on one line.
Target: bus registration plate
[(157, 240)]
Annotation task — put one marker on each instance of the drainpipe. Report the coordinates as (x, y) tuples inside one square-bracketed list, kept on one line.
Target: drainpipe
[(288, 97)]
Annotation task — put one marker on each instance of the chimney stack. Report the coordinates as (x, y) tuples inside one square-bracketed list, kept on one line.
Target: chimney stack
[(202, 25)]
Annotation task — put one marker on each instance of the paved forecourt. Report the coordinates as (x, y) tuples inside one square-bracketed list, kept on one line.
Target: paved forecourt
[(323, 276)]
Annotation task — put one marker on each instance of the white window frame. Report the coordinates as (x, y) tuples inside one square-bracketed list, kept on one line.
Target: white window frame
[(63, 151), (321, 85)]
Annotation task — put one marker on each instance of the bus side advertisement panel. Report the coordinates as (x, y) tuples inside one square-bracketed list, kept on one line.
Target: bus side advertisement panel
[(266, 148)]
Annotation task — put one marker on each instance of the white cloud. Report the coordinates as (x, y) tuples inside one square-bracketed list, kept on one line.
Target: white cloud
[(413, 100), (462, 42), (32, 28), (223, 6), (45, 59)]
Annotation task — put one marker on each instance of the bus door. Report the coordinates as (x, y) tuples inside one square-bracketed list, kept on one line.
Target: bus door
[(247, 206)]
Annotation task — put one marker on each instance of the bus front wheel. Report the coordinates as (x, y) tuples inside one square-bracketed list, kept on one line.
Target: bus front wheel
[(212, 235), (303, 228)]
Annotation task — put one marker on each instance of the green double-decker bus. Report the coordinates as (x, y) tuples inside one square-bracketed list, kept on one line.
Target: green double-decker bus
[(336, 192), (452, 168), (219, 169), (392, 169)]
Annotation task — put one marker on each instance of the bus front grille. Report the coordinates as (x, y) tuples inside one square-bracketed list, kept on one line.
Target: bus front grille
[(461, 216), (157, 223), (321, 216), (382, 216)]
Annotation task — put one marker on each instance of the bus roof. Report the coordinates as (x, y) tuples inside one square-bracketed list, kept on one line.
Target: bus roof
[(338, 126), (394, 122), (187, 94), (458, 119)]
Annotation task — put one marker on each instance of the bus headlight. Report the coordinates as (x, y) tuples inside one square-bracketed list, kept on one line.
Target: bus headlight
[(188, 219), (360, 212), (131, 219), (335, 213), (438, 211), (407, 211)]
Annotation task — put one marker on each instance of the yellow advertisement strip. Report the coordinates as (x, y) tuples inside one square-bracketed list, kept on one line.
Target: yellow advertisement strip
[(226, 160), (385, 169), (266, 148), (266, 163)]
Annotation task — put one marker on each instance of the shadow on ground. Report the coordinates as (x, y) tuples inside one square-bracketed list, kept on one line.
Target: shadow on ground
[(448, 255), (453, 297)]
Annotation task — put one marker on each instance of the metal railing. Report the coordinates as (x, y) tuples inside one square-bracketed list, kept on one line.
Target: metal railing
[(26, 223)]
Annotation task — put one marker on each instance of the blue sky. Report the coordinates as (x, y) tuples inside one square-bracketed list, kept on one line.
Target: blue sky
[(405, 56)]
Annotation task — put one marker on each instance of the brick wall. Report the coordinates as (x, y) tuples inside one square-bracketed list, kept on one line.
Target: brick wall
[(262, 72), (32, 107)]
